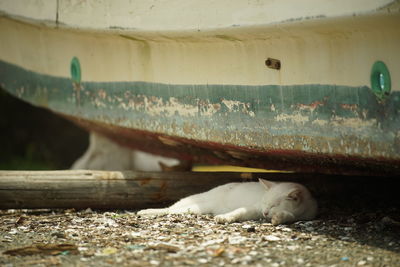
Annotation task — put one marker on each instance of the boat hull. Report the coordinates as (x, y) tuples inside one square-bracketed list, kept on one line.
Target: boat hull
[(316, 95), (317, 134)]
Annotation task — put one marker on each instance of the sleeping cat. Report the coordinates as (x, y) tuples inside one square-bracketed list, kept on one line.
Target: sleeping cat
[(279, 202)]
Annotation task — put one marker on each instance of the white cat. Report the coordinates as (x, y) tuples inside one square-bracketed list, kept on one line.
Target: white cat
[(279, 202), (105, 154)]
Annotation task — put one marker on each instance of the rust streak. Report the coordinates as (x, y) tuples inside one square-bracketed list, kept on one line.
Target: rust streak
[(162, 193), (145, 181)]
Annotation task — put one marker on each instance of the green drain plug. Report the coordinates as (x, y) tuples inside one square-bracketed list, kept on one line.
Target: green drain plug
[(380, 80), (75, 70)]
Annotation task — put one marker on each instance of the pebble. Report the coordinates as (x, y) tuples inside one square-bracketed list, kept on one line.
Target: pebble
[(271, 238), (13, 232), (7, 239), (212, 242), (246, 259), (136, 234), (246, 226), (253, 253), (87, 211), (58, 234), (235, 240), (109, 222), (235, 261), (203, 261)]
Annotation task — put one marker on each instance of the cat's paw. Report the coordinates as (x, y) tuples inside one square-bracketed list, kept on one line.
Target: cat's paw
[(224, 218), (277, 219), (149, 212), (281, 217), (145, 212)]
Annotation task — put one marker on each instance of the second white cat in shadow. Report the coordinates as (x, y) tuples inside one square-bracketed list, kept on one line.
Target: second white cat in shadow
[(279, 202)]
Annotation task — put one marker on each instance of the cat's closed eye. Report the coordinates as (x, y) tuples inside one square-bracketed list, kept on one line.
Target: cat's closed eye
[(274, 205)]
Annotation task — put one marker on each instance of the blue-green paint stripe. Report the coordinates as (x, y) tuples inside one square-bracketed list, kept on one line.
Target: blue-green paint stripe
[(59, 94)]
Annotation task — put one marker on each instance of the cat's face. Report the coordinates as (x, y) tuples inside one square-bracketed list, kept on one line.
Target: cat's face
[(281, 197)]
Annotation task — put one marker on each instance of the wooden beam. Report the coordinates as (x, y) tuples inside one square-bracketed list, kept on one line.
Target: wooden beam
[(102, 189), (127, 189)]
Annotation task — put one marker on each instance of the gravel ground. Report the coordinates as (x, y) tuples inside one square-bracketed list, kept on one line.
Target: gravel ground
[(88, 238), (363, 230)]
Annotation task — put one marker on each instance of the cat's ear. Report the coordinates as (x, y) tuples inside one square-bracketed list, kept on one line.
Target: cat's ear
[(265, 183), (295, 195)]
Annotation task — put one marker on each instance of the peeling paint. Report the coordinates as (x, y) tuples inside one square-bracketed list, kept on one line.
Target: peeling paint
[(238, 106), (229, 124), (294, 118), (312, 106), (353, 122), (102, 93), (156, 106), (208, 109), (320, 122), (352, 107)]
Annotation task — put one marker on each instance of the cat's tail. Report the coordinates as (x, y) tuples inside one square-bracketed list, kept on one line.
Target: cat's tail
[(150, 212)]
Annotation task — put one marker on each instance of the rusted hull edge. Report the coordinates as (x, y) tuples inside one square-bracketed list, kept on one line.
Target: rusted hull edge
[(324, 128), (216, 153)]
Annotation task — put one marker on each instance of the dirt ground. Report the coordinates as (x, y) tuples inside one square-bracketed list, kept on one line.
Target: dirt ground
[(360, 228)]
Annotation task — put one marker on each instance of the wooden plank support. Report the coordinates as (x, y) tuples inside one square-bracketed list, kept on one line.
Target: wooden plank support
[(103, 189), (132, 190)]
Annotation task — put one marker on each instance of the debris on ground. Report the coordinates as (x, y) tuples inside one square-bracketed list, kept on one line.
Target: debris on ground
[(44, 249), (94, 238)]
